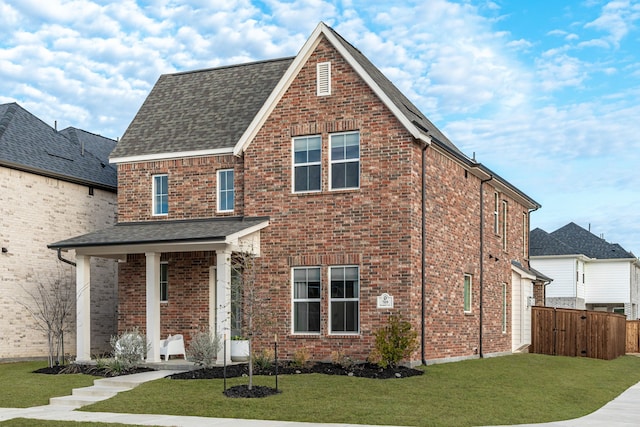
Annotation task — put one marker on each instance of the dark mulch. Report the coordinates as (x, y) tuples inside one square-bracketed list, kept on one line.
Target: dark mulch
[(88, 370), (364, 370), (255, 392)]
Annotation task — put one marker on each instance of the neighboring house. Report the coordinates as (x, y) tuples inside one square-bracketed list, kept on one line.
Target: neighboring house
[(588, 272), (52, 184), (318, 165)]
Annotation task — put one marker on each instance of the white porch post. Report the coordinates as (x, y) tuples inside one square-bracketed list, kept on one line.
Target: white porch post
[(153, 306), (83, 308), (223, 303)]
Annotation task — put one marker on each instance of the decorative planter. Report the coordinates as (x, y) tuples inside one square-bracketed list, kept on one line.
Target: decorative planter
[(239, 350)]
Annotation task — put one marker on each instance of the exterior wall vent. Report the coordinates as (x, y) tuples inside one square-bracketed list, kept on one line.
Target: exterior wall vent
[(324, 78)]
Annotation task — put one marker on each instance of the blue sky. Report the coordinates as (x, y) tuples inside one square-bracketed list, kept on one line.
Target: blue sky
[(544, 92)]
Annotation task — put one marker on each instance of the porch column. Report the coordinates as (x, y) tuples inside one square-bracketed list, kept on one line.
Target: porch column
[(223, 303), (153, 306), (83, 308)]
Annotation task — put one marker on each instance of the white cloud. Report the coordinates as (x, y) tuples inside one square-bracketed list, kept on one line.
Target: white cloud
[(616, 19)]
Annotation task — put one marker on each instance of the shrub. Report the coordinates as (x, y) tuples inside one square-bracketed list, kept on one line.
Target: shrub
[(339, 358), (300, 358), (264, 359), (129, 349), (394, 342), (203, 349)]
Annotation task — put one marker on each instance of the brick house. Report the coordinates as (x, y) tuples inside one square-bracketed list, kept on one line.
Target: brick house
[(52, 184), (343, 189)]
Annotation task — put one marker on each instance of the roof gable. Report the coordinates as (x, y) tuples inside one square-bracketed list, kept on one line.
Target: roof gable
[(199, 112), (27, 143)]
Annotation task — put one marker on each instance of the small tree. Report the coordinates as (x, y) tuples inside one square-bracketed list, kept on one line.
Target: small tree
[(253, 310), (51, 303)]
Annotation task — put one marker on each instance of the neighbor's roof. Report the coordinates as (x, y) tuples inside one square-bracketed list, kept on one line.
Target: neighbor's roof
[(200, 111), (163, 232), (29, 144), (96, 144), (574, 240)]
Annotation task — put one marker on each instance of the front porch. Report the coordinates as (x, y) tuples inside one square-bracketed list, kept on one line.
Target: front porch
[(221, 236)]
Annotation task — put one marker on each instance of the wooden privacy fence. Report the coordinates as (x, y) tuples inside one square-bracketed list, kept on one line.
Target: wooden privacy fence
[(633, 336), (581, 333)]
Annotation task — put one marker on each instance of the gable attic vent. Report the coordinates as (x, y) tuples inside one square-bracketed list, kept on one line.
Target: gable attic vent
[(324, 78)]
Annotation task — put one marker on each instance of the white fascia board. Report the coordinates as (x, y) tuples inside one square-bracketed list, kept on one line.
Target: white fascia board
[(524, 274), (302, 57), (120, 251), (580, 257), (176, 155), (233, 238)]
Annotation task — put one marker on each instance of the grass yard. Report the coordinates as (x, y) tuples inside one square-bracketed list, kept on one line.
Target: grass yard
[(21, 388), (504, 390), (515, 389)]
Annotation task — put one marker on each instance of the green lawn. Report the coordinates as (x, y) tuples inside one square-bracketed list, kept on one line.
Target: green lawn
[(21, 388), (505, 390)]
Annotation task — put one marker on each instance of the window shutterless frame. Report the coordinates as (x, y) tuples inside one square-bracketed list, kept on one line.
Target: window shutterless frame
[(344, 161), (225, 193), (306, 164), (306, 294), (467, 293), (164, 281), (160, 195), (344, 300)]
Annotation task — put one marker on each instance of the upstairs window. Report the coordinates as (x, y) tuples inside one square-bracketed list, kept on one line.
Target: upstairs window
[(306, 300), (496, 213), (226, 192), (504, 225), (160, 195), (306, 164), (345, 160), (323, 71)]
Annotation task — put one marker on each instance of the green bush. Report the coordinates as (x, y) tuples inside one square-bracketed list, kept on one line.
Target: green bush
[(394, 342), (203, 349)]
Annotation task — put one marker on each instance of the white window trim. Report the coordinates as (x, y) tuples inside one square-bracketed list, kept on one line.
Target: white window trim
[(153, 194), (323, 78), (470, 293), (505, 211), (332, 162), (167, 282), (219, 189), (504, 308), (294, 164), (496, 213), (294, 300), (331, 332)]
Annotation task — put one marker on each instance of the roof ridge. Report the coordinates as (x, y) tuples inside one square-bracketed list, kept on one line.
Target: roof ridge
[(7, 116), (223, 67)]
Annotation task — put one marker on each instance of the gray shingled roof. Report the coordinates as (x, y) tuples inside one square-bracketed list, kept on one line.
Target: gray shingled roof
[(27, 143), (96, 144), (200, 110), (148, 232), (574, 240)]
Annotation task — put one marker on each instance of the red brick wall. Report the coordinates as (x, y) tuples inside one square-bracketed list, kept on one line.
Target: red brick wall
[(192, 187), (376, 227)]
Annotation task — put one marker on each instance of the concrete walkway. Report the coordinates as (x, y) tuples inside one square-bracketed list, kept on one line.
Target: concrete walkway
[(623, 411)]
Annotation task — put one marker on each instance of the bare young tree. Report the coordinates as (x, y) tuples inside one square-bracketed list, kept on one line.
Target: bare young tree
[(51, 303), (250, 306)]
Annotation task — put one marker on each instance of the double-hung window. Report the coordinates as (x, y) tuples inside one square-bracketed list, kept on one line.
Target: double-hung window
[(467, 293), (226, 193), (306, 163), (344, 299), (306, 300), (345, 160), (160, 195), (164, 282)]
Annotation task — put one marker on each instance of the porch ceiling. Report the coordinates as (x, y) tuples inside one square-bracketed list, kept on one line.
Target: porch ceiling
[(164, 236)]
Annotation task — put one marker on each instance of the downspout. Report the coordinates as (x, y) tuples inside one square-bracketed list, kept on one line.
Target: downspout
[(482, 182), (424, 251), (64, 260)]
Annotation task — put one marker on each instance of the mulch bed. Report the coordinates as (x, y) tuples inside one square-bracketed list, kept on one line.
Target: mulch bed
[(363, 370)]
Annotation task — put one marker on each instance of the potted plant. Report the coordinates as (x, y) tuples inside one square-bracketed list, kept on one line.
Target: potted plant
[(239, 349)]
